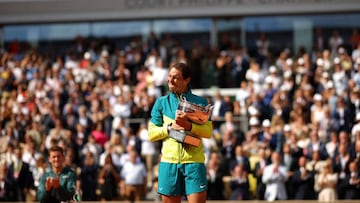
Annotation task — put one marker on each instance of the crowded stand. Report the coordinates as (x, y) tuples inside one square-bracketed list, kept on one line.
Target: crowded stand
[(292, 122)]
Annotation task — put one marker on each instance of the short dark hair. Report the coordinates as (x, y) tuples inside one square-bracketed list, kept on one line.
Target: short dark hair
[(56, 148), (184, 68)]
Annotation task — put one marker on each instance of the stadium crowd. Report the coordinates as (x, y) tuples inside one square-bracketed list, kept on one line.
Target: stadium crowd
[(302, 111)]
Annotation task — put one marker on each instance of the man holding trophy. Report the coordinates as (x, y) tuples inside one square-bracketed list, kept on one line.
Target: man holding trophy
[(180, 119)]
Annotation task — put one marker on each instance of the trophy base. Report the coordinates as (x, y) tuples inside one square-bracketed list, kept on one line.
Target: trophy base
[(184, 137)]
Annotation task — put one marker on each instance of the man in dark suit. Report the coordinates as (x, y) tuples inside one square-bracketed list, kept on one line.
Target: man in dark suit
[(352, 179), (7, 185), (23, 178), (240, 158), (303, 180), (258, 173)]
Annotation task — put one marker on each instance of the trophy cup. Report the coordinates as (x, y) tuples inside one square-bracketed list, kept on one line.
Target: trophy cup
[(197, 114)]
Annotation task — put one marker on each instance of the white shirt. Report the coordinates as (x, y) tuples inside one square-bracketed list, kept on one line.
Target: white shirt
[(133, 174), (147, 147)]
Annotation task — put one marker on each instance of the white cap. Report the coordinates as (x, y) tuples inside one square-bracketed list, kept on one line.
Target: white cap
[(272, 69), (253, 121), (289, 62), (341, 50), (336, 60), (253, 111), (20, 98), (287, 128), (104, 53), (317, 97), (357, 61), (301, 61), (357, 117), (287, 74), (329, 84), (268, 80), (87, 55), (325, 75), (319, 62), (266, 123)]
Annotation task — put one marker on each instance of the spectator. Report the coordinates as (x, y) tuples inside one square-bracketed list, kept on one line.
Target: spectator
[(327, 181), (240, 158), (108, 180), (133, 175), (7, 185), (259, 171), (147, 152), (22, 176), (275, 176), (335, 42), (352, 188), (303, 181), (341, 166), (239, 184), (214, 177), (88, 178)]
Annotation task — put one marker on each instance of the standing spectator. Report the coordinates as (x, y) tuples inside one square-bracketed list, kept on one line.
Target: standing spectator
[(354, 39), (231, 126), (275, 175), (303, 181), (108, 180), (240, 158), (343, 115), (356, 128), (239, 184), (341, 166), (88, 177), (352, 190), (223, 69), (332, 145), (7, 185), (38, 172), (147, 152), (319, 40), (239, 64), (263, 45), (255, 75), (214, 177), (133, 175), (327, 181), (219, 110), (258, 173), (59, 183), (335, 42), (22, 176)]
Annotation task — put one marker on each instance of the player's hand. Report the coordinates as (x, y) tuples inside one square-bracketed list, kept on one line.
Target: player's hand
[(55, 182), (182, 120), (48, 184)]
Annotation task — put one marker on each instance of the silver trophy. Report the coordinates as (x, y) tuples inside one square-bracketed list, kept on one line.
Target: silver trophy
[(197, 114)]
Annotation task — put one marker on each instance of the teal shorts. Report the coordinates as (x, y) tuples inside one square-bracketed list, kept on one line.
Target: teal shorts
[(181, 179)]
